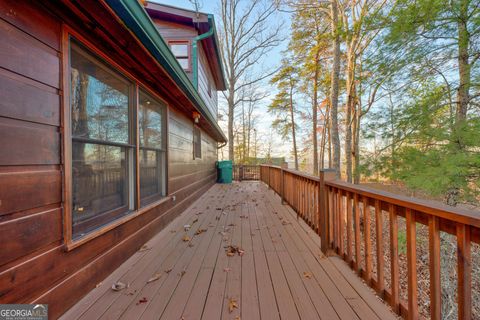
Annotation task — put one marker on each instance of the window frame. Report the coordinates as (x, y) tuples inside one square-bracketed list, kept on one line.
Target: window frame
[(162, 151), (71, 243), (189, 51)]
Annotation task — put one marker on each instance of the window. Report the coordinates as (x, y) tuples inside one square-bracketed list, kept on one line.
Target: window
[(181, 51), (103, 144), (152, 148), (197, 143), (209, 88)]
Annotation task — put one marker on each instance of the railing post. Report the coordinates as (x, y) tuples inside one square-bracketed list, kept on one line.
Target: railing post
[(324, 212), (268, 183), (240, 173)]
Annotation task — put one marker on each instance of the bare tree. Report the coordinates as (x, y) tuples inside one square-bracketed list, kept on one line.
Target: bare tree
[(335, 85), (247, 34)]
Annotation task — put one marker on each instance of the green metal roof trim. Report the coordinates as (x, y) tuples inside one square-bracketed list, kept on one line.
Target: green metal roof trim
[(137, 20)]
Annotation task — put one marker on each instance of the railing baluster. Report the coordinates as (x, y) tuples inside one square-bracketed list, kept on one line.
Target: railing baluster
[(434, 255), (412, 265), (395, 299), (358, 256), (340, 222), (379, 231), (349, 227), (368, 244), (464, 261)]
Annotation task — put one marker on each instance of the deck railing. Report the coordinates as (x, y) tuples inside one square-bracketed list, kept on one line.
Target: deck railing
[(246, 172), (344, 216)]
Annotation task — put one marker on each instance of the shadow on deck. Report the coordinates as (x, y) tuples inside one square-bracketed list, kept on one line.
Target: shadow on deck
[(282, 273)]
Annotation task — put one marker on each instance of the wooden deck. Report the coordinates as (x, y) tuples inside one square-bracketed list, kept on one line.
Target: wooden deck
[(282, 273)]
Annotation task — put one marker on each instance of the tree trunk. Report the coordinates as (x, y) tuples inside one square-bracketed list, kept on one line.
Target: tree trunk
[(463, 63), (349, 108), (356, 145), (292, 118), (314, 117), (334, 89), (231, 112)]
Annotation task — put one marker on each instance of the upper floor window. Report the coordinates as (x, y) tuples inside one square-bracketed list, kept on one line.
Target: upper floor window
[(181, 51)]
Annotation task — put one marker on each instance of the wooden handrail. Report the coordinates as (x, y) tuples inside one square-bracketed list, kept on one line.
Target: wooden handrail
[(340, 212)]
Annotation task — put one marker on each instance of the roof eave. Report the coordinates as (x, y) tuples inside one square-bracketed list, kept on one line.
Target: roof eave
[(138, 21)]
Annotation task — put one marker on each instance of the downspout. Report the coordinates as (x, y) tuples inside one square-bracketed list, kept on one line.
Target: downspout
[(205, 35)]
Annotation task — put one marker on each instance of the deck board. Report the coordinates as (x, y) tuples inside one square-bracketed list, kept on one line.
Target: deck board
[(271, 280)]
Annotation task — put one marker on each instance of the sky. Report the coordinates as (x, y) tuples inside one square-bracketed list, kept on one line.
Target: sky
[(264, 130)]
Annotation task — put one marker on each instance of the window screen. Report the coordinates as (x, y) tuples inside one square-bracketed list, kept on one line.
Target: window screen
[(101, 137)]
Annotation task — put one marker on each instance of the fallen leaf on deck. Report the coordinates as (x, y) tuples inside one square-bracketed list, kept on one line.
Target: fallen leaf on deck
[(186, 227), (285, 222), (219, 209), (195, 220), (190, 244), (182, 273), (118, 286), (144, 248), (244, 217), (227, 269), (168, 270), (143, 300), (98, 284), (307, 275), (232, 250), (155, 277), (237, 318), (185, 238), (173, 231), (200, 231), (231, 225), (232, 305), (217, 218)]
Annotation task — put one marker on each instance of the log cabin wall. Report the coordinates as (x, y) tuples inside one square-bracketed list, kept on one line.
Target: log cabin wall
[(206, 84), (34, 264)]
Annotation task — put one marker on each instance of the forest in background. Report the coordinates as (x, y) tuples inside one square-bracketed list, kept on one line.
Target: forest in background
[(387, 92), (380, 90)]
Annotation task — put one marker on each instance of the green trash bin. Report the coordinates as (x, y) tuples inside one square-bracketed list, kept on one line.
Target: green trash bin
[(225, 171)]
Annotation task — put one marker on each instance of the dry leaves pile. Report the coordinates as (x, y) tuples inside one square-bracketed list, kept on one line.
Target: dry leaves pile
[(231, 250)]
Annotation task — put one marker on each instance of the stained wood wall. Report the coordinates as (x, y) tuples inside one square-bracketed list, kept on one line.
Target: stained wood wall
[(34, 266)]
